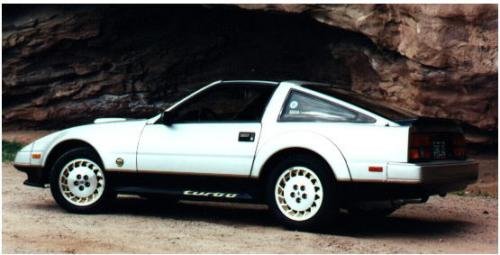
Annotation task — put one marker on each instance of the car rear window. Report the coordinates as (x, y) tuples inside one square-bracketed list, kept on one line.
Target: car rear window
[(392, 113), (304, 107)]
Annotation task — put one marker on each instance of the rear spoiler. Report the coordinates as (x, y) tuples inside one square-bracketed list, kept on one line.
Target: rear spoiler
[(427, 120), (432, 124)]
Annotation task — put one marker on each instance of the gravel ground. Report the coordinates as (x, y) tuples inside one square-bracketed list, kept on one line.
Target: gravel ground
[(33, 223)]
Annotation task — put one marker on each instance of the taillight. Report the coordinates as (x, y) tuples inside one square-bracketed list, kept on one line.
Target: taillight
[(420, 147), (436, 146), (458, 146)]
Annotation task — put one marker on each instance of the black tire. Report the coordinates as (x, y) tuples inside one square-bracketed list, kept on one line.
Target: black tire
[(328, 210), (79, 153)]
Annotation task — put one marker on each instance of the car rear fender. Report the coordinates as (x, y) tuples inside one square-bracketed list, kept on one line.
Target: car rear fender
[(305, 140)]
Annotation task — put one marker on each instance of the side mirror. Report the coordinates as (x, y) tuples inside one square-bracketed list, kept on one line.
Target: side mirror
[(167, 118)]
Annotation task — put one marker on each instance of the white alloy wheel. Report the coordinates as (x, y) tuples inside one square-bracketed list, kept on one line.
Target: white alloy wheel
[(298, 193), (81, 182)]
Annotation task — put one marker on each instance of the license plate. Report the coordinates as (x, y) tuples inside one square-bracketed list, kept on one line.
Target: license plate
[(439, 149)]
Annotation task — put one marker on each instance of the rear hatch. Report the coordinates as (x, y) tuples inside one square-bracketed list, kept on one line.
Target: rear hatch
[(434, 139), (430, 139)]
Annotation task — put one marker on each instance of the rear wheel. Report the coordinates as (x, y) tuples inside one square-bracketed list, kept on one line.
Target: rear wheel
[(300, 192), (78, 182)]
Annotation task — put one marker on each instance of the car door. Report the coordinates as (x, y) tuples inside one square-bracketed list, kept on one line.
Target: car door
[(213, 133)]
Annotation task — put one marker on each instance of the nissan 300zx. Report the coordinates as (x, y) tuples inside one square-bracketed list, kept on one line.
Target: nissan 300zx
[(307, 150)]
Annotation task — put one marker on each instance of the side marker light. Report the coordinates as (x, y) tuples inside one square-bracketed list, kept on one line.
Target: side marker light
[(375, 169)]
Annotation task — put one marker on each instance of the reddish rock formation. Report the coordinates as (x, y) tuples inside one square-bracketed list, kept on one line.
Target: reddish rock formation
[(447, 61), (65, 65)]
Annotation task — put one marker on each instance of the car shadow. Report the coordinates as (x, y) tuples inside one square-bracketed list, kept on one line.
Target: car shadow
[(258, 215), (214, 212), (394, 226)]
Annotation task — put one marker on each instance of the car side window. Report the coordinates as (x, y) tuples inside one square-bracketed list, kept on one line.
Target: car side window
[(226, 103), (302, 107)]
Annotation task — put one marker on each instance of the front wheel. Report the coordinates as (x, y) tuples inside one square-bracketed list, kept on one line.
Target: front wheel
[(300, 192), (78, 182)]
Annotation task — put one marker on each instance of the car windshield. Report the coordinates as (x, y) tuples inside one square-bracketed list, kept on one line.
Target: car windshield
[(392, 113)]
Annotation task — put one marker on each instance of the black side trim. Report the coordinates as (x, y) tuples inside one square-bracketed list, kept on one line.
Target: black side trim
[(35, 175), (191, 187), (188, 194)]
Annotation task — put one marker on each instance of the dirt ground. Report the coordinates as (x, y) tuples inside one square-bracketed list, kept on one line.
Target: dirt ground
[(487, 183), (33, 223)]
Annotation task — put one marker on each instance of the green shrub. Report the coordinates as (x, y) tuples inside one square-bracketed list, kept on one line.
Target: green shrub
[(9, 150)]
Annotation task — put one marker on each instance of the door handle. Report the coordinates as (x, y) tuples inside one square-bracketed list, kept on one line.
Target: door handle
[(246, 137)]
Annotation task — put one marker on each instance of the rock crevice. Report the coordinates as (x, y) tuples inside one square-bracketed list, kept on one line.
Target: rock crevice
[(68, 64)]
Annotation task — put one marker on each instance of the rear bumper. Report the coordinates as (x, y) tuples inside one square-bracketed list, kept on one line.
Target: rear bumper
[(35, 174), (408, 181), (435, 173)]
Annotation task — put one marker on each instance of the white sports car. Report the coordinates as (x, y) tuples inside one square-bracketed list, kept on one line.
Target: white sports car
[(306, 149)]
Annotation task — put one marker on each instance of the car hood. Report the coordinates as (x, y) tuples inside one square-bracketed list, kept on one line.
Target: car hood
[(106, 120), (102, 129)]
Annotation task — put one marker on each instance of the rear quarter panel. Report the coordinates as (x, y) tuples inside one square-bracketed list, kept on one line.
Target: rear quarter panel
[(349, 148), (279, 138), (365, 145)]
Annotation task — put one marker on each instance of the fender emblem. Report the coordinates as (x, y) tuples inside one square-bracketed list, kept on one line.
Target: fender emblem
[(209, 194), (119, 162)]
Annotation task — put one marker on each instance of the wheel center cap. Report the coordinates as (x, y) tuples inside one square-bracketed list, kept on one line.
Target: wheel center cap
[(82, 181), (299, 193)]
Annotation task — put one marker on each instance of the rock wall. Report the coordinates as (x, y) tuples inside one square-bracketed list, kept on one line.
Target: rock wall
[(68, 64), (435, 60)]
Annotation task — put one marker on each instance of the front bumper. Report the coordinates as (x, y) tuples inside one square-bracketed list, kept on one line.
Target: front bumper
[(32, 167), (35, 174)]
